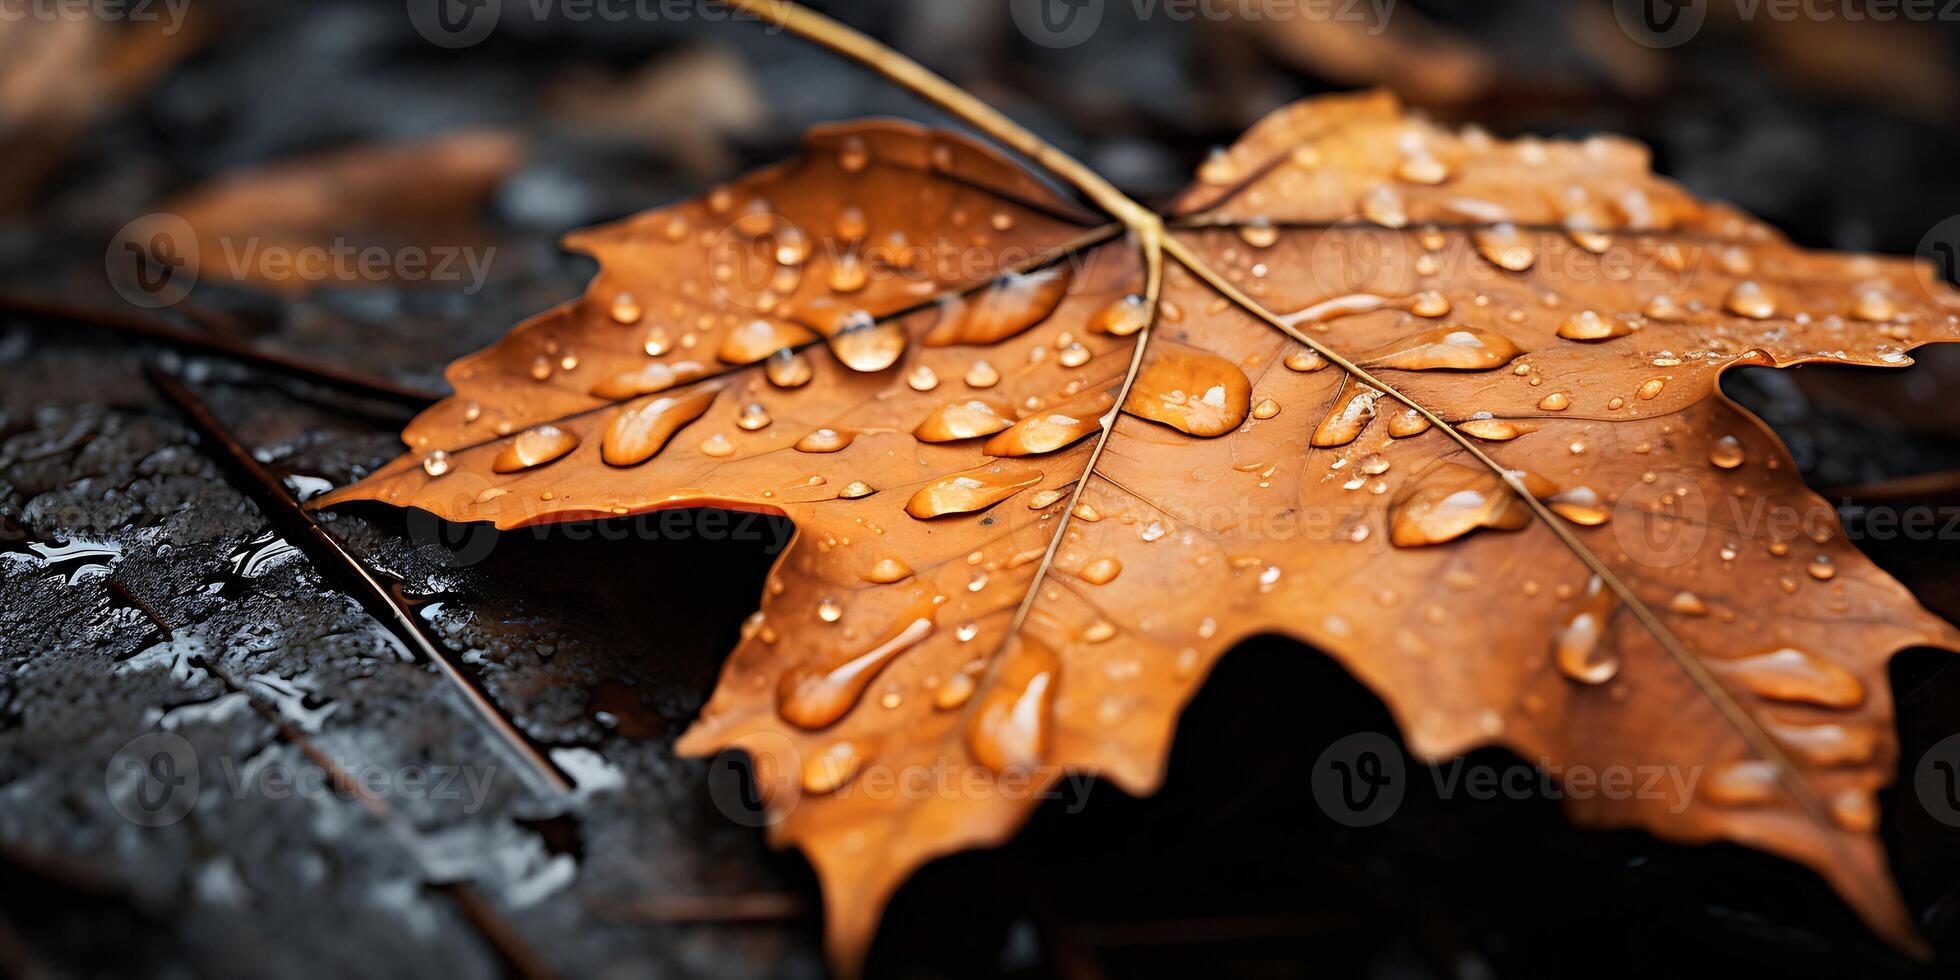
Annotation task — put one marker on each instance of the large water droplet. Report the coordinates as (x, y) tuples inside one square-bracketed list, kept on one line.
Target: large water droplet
[(535, 446), (1350, 415), (1749, 299), (956, 690), (1407, 422), (1745, 783), (1121, 317), (1588, 325), (825, 440), (1727, 453), (830, 768), (1191, 391), (648, 379), (1305, 361), (642, 427), (813, 696), (975, 489), (1505, 247), (787, 369), (1495, 430), (1219, 168), (1013, 303), (852, 154), (1829, 744), (851, 225), (1576, 641), (1045, 432), (1259, 232), (657, 341), (1794, 675), (967, 418), (753, 417), (1430, 303), (1874, 305), (1447, 348), (1101, 571), (1447, 501), (1580, 505), (866, 344), (1010, 725), (625, 309), (847, 273)]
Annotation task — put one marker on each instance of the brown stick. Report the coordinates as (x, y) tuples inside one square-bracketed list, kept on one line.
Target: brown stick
[(312, 372), (344, 570)]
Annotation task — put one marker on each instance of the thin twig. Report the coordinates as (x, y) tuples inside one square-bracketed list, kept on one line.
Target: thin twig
[(340, 566), (1915, 487), (312, 372), (679, 909)]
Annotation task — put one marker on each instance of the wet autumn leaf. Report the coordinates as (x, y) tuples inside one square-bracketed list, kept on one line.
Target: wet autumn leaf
[(917, 352)]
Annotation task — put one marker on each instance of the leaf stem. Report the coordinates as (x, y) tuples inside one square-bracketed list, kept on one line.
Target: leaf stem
[(926, 84)]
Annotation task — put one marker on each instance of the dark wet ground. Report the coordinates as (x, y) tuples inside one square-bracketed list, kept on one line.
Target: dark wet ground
[(144, 590)]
